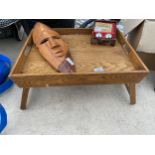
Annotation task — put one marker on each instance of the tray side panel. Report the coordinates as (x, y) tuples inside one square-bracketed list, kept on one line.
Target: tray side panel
[(61, 80), (21, 59), (128, 49)]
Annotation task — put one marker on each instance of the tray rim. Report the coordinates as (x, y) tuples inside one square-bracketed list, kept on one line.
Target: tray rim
[(122, 41)]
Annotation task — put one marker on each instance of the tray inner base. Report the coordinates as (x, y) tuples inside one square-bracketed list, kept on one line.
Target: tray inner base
[(87, 57)]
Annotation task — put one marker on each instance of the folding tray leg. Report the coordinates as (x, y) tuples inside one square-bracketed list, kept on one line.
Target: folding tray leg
[(131, 87), (24, 98)]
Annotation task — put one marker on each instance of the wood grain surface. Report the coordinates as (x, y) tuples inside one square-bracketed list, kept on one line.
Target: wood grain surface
[(120, 64)]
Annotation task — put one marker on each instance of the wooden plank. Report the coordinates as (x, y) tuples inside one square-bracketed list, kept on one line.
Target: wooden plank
[(131, 88), (127, 87), (120, 37), (21, 57), (133, 55), (132, 92), (78, 79), (68, 31), (24, 98)]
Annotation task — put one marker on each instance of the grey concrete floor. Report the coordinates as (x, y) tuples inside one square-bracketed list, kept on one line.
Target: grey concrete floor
[(98, 109)]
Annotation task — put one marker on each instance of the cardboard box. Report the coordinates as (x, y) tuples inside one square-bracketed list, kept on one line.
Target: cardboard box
[(141, 34), (130, 24)]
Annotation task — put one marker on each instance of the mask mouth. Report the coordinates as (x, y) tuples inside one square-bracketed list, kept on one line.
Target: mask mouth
[(59, 53)]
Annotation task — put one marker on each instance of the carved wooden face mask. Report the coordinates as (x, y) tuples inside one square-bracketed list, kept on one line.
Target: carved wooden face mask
[(52, 48)]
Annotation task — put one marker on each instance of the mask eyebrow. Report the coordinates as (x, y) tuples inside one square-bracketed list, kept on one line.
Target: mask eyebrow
[(56, 37)]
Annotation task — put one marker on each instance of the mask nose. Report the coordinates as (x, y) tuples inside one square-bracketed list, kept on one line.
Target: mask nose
[(52, 43)]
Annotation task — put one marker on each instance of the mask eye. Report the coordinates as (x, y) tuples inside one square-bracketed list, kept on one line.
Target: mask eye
[(44, 41)]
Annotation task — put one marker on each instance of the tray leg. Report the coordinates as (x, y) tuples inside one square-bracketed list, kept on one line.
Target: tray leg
[(24, 98), (131, 88)]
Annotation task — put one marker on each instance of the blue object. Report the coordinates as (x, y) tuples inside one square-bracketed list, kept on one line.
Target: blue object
[(3, 118), (5, 67)]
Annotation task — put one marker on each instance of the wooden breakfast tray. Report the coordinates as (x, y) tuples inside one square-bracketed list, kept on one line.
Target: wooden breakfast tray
[(121, 64)]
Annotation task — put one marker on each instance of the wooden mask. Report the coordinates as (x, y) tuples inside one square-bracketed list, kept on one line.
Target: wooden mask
[(53, 48)]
